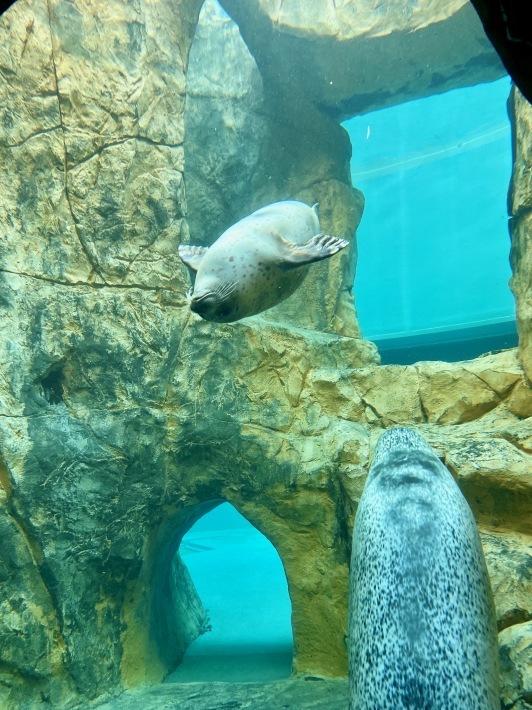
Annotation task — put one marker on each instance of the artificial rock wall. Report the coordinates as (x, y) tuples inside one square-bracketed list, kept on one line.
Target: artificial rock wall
[(91, 155), (352, 57), (124, 418)]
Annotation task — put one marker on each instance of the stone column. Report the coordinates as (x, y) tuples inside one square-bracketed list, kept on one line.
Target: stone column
[(520, 207)]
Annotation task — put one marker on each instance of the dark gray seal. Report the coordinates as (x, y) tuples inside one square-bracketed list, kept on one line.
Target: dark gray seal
[(258, 262), (422, 629)]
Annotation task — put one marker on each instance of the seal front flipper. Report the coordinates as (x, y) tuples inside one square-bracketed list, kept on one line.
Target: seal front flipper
[(191, 256), (322, 246)]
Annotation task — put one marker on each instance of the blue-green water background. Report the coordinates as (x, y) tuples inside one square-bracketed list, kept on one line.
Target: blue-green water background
[(241, 581), (433, 242), (433, 258)]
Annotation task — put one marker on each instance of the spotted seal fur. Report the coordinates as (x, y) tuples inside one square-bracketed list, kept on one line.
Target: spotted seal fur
[(422, 629), (258, 262)]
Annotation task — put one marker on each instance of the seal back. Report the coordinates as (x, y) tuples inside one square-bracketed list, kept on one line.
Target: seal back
[(422, 629)]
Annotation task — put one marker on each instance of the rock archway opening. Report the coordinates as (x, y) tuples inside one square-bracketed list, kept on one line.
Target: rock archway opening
[(433, 268), (240, 580)]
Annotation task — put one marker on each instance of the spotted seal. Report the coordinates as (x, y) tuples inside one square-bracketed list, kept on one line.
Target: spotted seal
[(258, 262), (422, 630)]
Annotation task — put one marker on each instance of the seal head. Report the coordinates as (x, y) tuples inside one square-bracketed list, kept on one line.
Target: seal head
[(213, 303)]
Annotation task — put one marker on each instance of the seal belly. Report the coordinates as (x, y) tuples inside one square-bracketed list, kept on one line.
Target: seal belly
[(422, 630), (270, 285)]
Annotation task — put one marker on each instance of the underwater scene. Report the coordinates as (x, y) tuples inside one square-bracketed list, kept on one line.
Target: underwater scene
[(265, 355)]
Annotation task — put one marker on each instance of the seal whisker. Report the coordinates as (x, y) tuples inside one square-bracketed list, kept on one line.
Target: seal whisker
[(225, 290)]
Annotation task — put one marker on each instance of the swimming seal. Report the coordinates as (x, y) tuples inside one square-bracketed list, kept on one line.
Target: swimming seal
[(258, 262), (422, 629)]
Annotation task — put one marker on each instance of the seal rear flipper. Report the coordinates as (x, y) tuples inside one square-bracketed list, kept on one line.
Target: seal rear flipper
[(191, 256), (322, 246)]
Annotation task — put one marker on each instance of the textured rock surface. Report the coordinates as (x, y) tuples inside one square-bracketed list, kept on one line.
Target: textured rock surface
[(105, 472), (105, 100), (520, 202), (123, 418), (334, 53), (224, 110), (91, 153), (178, 615), (295, 694), (516, 666), (509, 560), (265, 146)]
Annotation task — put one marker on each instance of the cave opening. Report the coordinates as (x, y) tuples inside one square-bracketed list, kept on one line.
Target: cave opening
[(433, 245), (240, 580)]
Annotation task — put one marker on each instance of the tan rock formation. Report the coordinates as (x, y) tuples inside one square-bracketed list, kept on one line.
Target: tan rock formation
[(509, 559), (353, 57), (144, 431), (91, 155)]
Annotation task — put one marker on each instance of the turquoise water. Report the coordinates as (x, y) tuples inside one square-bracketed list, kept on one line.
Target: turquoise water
[(433, 242), (241, 582)]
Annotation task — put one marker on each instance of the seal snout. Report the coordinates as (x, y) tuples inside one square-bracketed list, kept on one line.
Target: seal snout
[(200, 297), (202, 302), (211, 307)]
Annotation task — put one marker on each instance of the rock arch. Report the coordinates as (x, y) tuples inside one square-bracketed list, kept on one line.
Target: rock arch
[(241, 581), (311, 543)]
